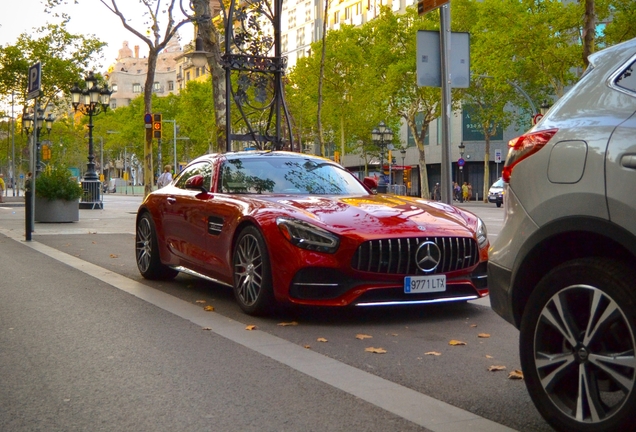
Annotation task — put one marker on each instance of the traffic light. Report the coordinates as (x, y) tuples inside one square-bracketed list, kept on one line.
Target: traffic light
[(390, 158), (336, 156), (156, 126), (46, 152)]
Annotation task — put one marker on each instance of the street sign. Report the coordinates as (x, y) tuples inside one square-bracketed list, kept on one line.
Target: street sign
[(461, 162), (497, 155), (148, 121), (35, 81), (429, 58), (425, 6), (537, 117)]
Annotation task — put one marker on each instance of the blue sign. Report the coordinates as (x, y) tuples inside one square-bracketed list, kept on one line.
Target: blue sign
[(35, 80), (461, 162)]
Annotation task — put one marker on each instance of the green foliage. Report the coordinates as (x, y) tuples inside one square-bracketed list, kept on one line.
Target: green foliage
[(57, 183)]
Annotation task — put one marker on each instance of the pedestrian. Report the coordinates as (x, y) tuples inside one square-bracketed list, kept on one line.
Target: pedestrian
[(436, 192), (470, 191), (165, 178), (2, 188), (464, 192), (457, 191)]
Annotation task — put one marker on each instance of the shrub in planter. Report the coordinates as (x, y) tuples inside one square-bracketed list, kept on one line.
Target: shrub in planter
[(57, 196), (57, 184)]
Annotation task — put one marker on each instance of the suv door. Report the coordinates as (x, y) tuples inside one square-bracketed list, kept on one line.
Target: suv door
[(620, 162)]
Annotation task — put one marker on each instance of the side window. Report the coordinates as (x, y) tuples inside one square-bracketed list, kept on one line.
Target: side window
[(627, 79), (202, 168)]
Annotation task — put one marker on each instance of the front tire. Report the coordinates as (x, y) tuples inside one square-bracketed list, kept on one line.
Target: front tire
[(147, 251), (577, 346), (252, 273)]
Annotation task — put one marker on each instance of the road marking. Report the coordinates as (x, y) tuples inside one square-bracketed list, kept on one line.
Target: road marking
[(423, 410)]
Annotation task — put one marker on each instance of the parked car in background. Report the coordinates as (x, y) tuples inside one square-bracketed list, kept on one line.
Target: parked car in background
[(496, 192), (283, 227), (563, 268)]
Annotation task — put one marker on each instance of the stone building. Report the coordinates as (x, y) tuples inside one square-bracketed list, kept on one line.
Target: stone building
[(128, 75)]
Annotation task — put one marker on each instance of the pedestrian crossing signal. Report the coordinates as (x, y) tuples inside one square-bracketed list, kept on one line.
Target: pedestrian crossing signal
[(156, 126)]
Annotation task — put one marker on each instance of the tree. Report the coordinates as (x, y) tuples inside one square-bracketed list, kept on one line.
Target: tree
[(156, 40), (63, 56)]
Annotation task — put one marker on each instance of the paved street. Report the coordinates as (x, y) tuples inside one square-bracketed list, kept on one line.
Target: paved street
[(87, 344)]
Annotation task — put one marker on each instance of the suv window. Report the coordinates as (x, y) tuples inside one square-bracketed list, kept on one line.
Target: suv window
[(627, 79)]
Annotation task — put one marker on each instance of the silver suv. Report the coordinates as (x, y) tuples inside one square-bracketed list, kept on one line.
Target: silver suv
[(563, 268)]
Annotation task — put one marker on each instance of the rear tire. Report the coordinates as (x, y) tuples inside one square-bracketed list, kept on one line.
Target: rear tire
[(147, 251), (252, 273), (577, 346)]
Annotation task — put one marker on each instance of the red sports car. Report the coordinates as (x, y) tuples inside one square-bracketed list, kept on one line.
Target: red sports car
[(295, 228)]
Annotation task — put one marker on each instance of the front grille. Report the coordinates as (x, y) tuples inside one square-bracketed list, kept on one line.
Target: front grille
[(397, 256)]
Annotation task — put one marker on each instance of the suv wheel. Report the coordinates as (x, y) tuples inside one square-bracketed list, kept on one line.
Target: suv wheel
[(578, 346)]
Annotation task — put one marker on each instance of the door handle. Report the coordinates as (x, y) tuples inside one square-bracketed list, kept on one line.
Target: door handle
[(171, 200), (629, 161)]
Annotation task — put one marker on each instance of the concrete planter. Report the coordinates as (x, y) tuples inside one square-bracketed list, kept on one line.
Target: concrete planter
[(56, 210)]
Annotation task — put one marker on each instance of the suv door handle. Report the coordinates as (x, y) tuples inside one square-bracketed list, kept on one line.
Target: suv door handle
[(629, 161), (171, 200)]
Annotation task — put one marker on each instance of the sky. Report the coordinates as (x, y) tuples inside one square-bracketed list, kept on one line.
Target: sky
[(89, 17)]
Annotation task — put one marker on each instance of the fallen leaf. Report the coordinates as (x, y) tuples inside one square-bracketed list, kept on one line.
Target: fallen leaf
[(363, 336), (285, 324), (494, 368), (114, 256), (515, 374), (206, 328), (375, 350), (94, 242), (307, 346), (251, 327), (456, 342), (483, 335), (489, 356), (394, 334), (209, 308), (321, 340), (435, 353), (473, 325), (200, 301)]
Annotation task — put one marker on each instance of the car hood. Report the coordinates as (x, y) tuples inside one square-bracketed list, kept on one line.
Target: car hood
[(376, 216)]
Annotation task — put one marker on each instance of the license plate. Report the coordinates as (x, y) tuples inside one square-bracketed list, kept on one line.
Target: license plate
[(424, 284)]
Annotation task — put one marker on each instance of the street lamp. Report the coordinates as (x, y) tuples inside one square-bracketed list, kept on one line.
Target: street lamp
[(462, 148), (544, 107), (91, 101), (403, 153), (33, 123), (382, 135)]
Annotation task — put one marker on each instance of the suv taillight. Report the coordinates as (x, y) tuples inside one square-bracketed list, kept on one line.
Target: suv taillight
[(524, 146)]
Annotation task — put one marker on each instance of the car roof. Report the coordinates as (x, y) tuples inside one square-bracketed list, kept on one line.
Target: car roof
[(260, 153)]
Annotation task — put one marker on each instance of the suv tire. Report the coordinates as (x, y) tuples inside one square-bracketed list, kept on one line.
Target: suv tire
[(577, 346)]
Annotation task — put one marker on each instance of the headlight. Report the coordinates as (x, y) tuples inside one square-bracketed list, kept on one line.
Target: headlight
[(482, 234), (307, 236)]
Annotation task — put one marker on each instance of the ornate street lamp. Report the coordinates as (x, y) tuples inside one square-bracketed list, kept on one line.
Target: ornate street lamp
[(462, 148), (91, 101), (33, 123), (544, 107), (381, 136)]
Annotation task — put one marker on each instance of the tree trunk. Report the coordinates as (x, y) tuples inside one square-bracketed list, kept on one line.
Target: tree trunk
[(589, 28), (321, 77), (486, 167), (150, 79)]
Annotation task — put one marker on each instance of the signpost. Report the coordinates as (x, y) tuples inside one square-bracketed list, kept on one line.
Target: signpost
[(497, 159), (33, 91), (425, 6)]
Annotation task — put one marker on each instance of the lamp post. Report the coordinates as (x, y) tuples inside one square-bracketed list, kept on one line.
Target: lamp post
[(91, 101), (460, 162), (544, 107), (381, 136), (33, 123), (403, 153)]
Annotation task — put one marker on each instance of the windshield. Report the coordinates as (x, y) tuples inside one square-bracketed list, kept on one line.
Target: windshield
[(283, 175), (498, 184)]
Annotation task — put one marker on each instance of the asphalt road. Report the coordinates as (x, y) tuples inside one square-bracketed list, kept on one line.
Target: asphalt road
[(90, 345)]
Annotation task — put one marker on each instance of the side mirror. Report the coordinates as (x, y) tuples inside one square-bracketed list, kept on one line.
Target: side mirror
[(371, 183)]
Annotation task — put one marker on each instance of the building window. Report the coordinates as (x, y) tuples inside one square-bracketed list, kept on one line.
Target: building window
[(114, 88), (156, 86), (113, 103), (170, 85), (292, 18), (197, 72), (307, 11), (188, 76), (285, 43), (136, 88), (358, 8), (300, 37), (336, 17)]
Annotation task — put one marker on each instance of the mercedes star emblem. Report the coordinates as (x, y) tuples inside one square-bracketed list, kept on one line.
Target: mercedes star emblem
[(428, 256)]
